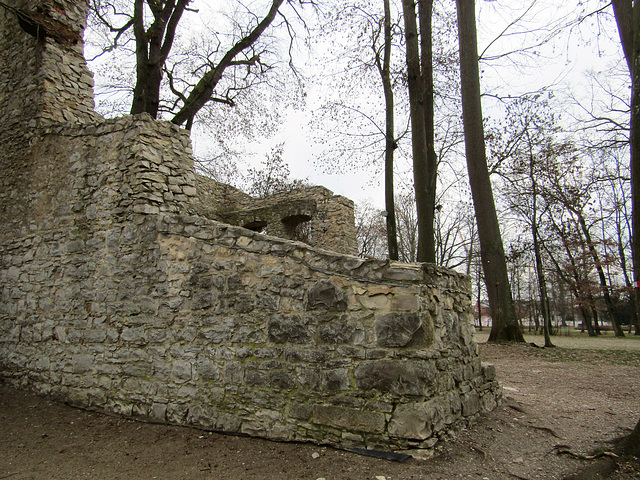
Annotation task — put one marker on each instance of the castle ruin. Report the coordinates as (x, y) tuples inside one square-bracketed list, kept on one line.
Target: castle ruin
[(130, 284)]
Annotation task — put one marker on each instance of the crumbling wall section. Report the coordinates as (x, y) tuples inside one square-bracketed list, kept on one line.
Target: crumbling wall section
[(310, 214), (43, 73), (118, 295), (220, 197), (118, 290), (182, 319)]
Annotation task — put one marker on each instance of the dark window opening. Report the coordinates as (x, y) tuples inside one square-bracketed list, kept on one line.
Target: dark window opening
[(256, 226), (297, 227)]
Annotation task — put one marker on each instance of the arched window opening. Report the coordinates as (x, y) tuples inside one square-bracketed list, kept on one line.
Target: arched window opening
[(256, 226), (297, 227)]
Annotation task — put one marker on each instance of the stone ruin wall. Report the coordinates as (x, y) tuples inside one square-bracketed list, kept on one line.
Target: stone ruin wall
[(120, 291), (312, 214)]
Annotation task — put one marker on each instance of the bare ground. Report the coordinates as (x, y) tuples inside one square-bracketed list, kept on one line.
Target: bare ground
[(574, 398)]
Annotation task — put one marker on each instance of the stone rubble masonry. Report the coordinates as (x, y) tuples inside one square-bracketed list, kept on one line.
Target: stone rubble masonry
[(325, 220), (120, 289)]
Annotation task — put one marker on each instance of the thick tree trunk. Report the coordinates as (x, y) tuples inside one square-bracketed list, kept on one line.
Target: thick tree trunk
[(627, 15), (623, 12), (596, 324), (588, 322), (142, 59), (635, 153), (152, 49), (631, 444), (421, 180), (635, 319), (505, 323), (425, 13)]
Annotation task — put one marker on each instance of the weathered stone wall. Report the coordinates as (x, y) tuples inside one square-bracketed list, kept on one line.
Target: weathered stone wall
[(313, 215), (183, 319), (43, 80), (43, 73), (120, 291), (220, 197)]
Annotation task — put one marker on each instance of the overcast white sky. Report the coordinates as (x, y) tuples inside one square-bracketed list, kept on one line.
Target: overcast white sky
[(563, 64)]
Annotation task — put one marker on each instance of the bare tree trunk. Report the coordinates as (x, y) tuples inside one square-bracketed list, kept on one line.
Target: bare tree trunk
[(419, 141), (635, 320), (542, 285), (384, 68), (596, 325), (628, 20), (505, 323), (635, 154), (479, 300), (601, 276), (631, 444), (623, 12), (587, 320), (152, 49), (425, 9), (627, 14), (142, 59)]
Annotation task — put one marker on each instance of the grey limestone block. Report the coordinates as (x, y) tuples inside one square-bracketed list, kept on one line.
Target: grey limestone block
[(288, 329), (416, 378), (396, 329), (349, 418), (417, 421), (325, 295)]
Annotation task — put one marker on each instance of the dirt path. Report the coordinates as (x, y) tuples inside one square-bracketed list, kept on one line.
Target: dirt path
[(572, 397)]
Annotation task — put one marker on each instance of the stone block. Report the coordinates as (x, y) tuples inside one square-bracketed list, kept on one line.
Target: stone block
[(336, 380), (255, 378), (158, 412), (325, 295), (244, 303), (133, 334), (300, 411), (288, 329), (181, 370), (283, 380), (418, 421), (233, 373), (136, 369), (415, 378), (397, 329), (207, 370), (412, 421), (95, 335), (409, 303), (341, 332), (349, 418), (82, 363), (470, 403), (488, 371), (217, 334), (488, 402), (228, 422), (376, 302)]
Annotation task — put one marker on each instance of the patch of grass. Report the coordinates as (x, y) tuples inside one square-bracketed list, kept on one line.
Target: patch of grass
[(613, 356)]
